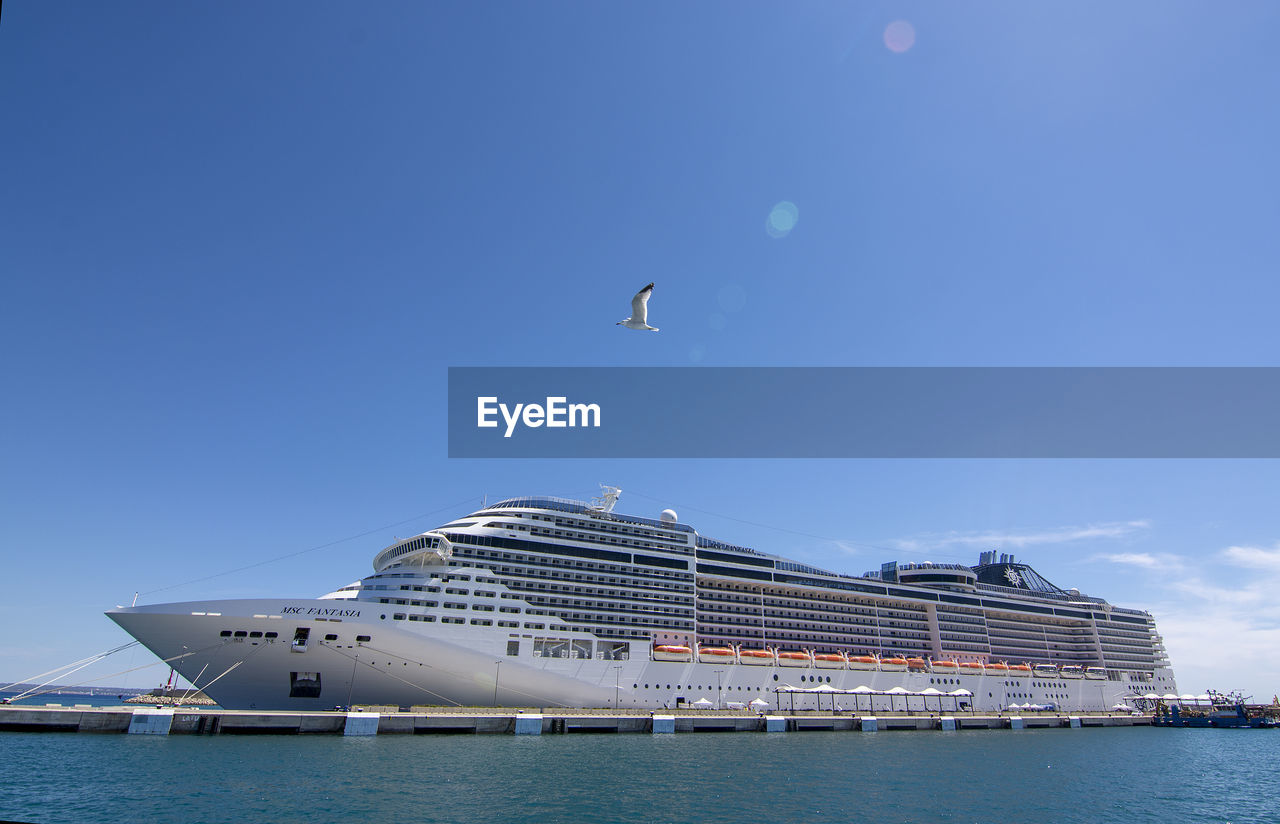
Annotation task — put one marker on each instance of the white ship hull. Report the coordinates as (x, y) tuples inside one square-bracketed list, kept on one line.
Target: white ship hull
[(469, 666)]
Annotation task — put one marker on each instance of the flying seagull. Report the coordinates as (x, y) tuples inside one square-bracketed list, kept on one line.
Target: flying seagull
[(639, 311)]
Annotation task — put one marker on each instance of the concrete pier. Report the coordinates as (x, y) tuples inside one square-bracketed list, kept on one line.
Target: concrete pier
[(481, 721)]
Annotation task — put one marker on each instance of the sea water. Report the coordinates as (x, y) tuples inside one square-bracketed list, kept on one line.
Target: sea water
[(1059, 775)]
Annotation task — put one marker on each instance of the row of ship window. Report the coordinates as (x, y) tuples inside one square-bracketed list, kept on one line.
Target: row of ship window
[(449, 619), (588, 538), (646, 578), (662, 605), (596, 566), (700, 687), (634, 564), (240, 633), (591, 526)]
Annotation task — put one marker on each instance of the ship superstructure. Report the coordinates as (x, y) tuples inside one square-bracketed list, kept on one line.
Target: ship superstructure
[(551, 602)]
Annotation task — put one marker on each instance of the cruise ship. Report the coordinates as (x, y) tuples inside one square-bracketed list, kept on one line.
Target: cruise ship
[(548, 602)]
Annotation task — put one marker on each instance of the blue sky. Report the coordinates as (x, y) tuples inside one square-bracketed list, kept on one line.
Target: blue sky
[(240, 245)]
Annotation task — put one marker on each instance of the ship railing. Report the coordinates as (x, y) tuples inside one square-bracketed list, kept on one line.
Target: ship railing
[(1057, 596)]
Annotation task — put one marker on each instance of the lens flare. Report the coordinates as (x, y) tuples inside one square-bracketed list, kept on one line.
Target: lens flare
[(782, 219), (899, 36)]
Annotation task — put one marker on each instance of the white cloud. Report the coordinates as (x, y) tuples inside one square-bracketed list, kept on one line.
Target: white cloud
[(1223, 621), (1217, 646), (1023, 538), (1251, 557), (1161, 561), (846, 547)]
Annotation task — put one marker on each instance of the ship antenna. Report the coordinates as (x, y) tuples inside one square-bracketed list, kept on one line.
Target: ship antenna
[(608, 497)]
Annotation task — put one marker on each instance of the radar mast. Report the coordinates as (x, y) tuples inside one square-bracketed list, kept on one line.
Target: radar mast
[(608, 497)]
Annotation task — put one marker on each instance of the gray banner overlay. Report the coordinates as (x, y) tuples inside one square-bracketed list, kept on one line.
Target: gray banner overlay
[(864, 412)]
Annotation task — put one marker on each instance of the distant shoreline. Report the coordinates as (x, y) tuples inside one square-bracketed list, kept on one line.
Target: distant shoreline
[(55, 689)]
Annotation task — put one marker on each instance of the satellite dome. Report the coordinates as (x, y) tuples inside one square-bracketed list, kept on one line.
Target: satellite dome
[(669, 516)]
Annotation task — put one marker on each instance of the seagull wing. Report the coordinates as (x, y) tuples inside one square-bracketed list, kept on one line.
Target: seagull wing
[(640, 305)]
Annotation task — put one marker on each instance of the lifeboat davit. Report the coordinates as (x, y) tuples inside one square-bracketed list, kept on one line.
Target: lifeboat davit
[(756, 657), (716, 655), (671, 652), (829, 661), (794, 659), (971, 668), (998, 669), (893, 664), (1045, 671), (862, 662), (1096, 673), (945, 667), (1073, 671), (917, 664), (1020, 670)]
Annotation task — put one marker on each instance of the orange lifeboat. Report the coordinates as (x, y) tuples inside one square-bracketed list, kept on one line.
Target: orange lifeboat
[(1020, 670), (998, 668), (893, 664), (794, 659), (917, 664), (672, 652), (755, 657), (862, 662), (971, 668), (829, 661), (945, 667), (716, 655)]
